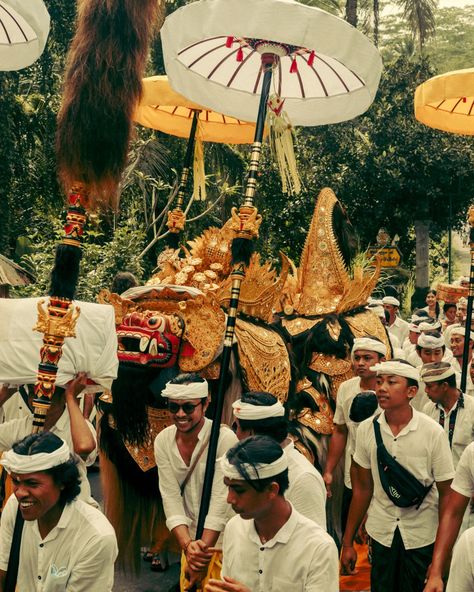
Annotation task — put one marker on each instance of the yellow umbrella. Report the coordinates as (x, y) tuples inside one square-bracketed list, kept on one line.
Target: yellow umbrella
[(446, 102), (163, 109)]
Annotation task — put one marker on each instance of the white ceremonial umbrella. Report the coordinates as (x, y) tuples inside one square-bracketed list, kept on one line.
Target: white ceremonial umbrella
[(228, 55), (24, 29), (326, 70)]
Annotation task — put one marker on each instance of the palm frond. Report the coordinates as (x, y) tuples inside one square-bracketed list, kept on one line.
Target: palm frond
[(420, 16)]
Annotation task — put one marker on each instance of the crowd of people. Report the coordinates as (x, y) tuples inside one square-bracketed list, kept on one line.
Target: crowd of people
[(403, 430)]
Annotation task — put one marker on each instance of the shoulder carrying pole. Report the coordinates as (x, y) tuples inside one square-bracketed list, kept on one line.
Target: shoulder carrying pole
[(246, 224)]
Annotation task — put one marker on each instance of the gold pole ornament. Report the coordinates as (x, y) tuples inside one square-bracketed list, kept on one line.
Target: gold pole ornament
[(58, 319)]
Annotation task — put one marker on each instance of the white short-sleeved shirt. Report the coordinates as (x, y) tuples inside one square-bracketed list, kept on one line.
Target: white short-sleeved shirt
[(423, 449), (400, 329), (172, 471), (306, 490), (14, 408), (461, 573), (300, 557), (78, 554), (463, 481), (17, 429), (463, 428), (345, 395)]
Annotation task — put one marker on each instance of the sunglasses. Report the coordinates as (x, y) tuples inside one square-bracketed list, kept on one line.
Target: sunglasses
[(187, 408)]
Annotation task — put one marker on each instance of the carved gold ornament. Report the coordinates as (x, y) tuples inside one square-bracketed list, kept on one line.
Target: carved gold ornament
[(59, 326)]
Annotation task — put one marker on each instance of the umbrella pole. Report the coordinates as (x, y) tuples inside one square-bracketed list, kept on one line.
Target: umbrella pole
[(246, 224), (176, 217), (470, 300)]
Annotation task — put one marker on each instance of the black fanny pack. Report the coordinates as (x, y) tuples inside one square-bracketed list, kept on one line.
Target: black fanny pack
[(402, 488)]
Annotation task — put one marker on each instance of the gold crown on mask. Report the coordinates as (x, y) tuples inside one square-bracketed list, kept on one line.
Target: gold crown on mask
[(324, 284)]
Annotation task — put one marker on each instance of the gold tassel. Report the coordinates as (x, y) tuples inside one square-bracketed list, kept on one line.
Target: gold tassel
[(199, 174), (281, 144)]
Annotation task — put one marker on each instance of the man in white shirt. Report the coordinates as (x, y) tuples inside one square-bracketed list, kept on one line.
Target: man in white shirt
[(269, 545), (457, 347), (461, 574), (402, 537), (180, 454), (65, 419), (396, 325), (430, 349), (462, 490), (261, 414), (66, 544), (448, 406), (366, 353)]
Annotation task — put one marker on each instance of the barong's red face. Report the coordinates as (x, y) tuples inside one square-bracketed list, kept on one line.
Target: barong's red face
[(150, 338)]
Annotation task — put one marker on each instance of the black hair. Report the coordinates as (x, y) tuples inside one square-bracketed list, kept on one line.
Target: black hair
[(448, 305), (363, 406), (65, 475), (274, 427), (187, 378), (437, 309), (450, 381), (258, 450), (419, 312), (123, 281)]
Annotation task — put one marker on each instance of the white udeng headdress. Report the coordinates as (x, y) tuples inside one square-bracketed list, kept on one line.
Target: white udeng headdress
[(436, 372), (182, 392), (251, 412), (431, 341), (391, 300), (254, 472), (369, 344), (33, 463), (462, 331), (397, 369)]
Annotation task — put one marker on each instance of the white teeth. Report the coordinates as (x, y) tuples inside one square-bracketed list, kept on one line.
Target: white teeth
[(26, 504), (144, 343), (153, 350)]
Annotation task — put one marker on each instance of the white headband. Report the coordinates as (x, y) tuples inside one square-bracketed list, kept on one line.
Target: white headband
[(254, 472), (414, 328), (462, 331), (182, 392), (436, 372), (251, 412), (370, 345), (391, 300), (425, 326), (22, 463), (430, 341), (397, 369)]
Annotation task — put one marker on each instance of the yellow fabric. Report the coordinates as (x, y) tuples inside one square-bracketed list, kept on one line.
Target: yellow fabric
[(213, 572), (163, 109), (446, 102)]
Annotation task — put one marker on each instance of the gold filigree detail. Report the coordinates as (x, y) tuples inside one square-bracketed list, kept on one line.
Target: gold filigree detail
[(259, 290), (329, 365), (176, 221), (367, 323), (59, 326), (122, 306), (317, 421), (246, 221), (144, 456), (263, 355), (299, 325), (324, 284)]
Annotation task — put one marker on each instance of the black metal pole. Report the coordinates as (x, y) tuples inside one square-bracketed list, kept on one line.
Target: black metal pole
[(450, 231), (467, 325), (238, 274), (188, 157)]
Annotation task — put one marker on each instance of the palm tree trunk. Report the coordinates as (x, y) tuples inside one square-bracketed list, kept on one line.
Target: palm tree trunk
[(351, 12), (376, 8)]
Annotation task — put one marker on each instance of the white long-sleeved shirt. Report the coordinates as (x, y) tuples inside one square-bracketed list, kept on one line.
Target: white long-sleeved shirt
[(306, 490), (172, 471), (78, 554), (300, 557)]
